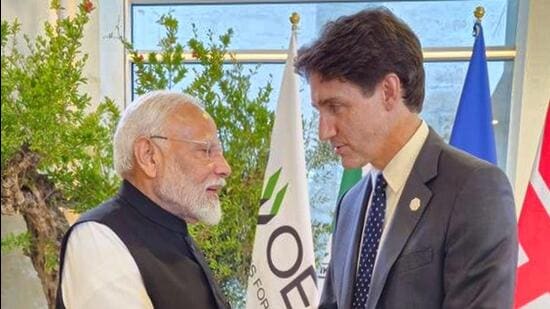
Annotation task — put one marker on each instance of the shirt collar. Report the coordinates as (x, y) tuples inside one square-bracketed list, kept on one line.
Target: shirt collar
[(398, 169), (149, 209)]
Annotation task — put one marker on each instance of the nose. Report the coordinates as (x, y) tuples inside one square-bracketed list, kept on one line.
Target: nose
[(221, 167), (327, 130)]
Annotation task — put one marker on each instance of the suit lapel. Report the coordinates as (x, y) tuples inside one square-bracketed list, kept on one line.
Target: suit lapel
[(403, 224), (404, 219), (354, 220)]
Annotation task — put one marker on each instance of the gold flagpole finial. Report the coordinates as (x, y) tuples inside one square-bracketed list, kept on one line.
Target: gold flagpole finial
[(479, 13), (294, 20)]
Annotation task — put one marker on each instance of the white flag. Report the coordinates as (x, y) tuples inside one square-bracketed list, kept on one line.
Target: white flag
[(282, 273)]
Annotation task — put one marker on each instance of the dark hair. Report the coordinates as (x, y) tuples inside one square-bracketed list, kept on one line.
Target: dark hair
[(363, 48)]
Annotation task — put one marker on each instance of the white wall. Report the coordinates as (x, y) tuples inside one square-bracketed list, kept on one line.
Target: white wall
[(112, 61), (30, 13), (105, 67)]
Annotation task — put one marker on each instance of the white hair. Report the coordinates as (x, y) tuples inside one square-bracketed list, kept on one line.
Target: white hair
[(145, 116)]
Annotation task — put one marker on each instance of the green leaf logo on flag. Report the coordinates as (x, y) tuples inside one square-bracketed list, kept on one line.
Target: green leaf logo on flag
[(268, 193)]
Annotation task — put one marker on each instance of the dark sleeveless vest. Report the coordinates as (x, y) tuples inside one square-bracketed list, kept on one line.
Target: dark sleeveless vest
[(174, 271)]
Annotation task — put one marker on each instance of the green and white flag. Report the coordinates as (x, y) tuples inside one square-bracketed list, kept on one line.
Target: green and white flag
[(282, 273), (349, 178)]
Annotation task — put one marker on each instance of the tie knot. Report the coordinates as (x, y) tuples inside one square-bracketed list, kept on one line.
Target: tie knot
[(380, 182)]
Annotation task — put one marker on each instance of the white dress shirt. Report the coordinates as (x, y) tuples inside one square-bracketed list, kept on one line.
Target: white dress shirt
[(100, 272)]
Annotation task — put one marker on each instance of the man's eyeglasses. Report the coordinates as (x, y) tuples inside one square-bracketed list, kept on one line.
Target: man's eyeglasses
[(210, 148)]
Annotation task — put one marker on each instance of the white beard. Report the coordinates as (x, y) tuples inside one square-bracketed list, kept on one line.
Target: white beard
[(184, 198)]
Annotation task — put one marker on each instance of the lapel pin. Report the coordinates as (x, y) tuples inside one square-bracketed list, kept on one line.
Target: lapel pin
[(415, 204)]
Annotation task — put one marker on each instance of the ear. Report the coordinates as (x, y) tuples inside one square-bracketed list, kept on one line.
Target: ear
[(391, 87), (147, 157)]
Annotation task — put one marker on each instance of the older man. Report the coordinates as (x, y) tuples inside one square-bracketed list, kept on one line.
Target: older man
[(134, 251), (430, 226)]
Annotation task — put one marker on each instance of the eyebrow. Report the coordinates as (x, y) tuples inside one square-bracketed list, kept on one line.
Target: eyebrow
[(326, 101)]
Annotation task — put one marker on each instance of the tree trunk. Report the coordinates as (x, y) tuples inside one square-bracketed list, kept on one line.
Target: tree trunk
[(31, 194)]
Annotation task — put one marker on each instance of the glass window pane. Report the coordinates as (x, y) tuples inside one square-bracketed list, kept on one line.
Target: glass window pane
[(266, 26)]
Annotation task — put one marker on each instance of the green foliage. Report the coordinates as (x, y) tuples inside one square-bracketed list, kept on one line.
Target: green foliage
[(23, 241), (318, 154), (321, 234), (43, 109), (20, 241), (244, 123), (166, 68)]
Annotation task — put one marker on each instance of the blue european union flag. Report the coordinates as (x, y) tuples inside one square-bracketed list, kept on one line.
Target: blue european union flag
[(473, 127)]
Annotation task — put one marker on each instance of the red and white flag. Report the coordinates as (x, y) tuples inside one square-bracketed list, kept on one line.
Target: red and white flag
[(533, 276)]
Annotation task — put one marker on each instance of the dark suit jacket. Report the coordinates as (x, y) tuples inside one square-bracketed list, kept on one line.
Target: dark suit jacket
[(458, 250)]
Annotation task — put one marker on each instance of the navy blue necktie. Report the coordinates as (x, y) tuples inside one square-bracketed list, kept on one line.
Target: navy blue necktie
[(371, 240)]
